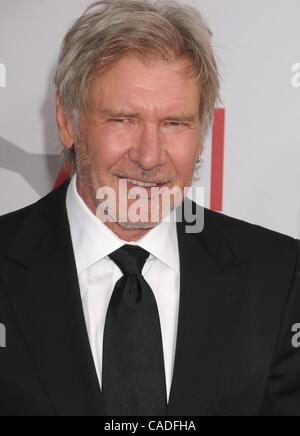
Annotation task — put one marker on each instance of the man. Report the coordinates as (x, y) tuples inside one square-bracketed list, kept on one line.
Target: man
[(110, 314)]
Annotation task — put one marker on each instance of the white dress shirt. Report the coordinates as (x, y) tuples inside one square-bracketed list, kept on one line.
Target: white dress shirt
[(93, 242)]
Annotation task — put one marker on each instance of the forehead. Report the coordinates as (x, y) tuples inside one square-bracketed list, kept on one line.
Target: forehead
[(136, 83)]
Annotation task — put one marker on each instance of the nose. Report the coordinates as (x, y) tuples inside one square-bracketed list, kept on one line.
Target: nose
[(149, 153)]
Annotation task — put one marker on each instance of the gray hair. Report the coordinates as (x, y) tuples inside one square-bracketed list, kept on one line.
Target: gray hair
[(150, 29)]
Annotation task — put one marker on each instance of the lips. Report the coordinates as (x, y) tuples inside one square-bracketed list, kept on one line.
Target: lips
[(141, 184)]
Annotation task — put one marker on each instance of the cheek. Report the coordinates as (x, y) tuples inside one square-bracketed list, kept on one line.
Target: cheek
[(105, 147), (183, 153), (185, 168)]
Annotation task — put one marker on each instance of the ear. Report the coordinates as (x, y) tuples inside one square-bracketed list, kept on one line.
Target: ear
[(64, 124)]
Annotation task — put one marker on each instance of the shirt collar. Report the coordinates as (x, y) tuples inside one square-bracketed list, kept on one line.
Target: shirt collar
[(93, 240)]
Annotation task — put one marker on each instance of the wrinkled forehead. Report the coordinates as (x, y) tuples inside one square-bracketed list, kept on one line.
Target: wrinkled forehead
[(140, 85)]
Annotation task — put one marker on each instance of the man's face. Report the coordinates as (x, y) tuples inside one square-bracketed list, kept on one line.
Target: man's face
[(143, 125)]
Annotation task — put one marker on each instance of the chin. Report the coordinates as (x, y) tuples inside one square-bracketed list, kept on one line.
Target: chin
[(138, 226)]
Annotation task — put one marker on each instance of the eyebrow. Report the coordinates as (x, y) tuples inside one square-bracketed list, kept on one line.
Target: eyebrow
[(122, 114)]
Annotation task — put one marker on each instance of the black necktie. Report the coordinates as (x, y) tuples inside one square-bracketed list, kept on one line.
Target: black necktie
[(133, 373)]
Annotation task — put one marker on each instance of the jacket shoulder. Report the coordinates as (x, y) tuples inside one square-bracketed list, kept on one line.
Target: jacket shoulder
[(250, 238), (10, 224)]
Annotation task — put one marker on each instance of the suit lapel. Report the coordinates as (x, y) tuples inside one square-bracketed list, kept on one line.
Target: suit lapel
[(41, 279), (212, 277)]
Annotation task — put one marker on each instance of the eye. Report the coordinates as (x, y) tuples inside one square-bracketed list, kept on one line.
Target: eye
[(118, 120), (175, 124)]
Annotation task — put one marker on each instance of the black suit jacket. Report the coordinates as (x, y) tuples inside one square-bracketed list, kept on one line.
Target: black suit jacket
[(240, 297)]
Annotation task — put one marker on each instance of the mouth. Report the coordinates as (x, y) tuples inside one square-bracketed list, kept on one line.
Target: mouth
[(147, 185)]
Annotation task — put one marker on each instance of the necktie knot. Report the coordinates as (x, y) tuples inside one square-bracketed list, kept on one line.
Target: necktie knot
[(130, 259)]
